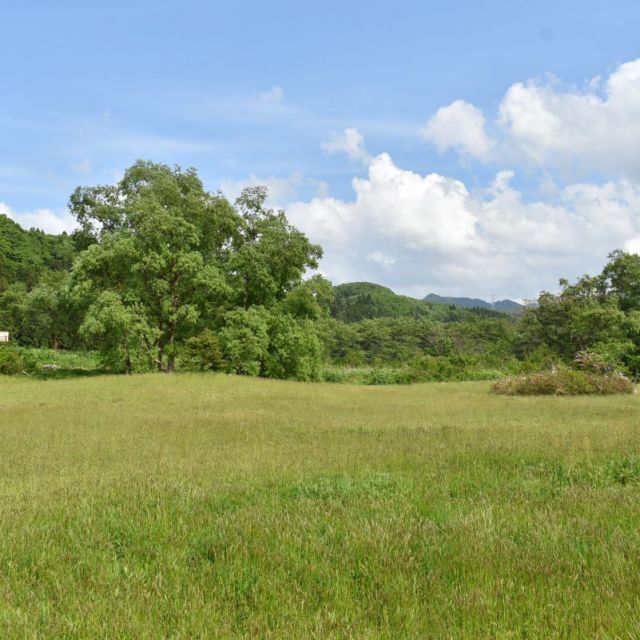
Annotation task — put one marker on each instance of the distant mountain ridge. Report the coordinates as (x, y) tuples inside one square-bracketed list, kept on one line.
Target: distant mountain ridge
[(506, 306)]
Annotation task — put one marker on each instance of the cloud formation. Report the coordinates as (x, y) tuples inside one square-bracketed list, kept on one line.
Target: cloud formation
[(545, 125), (460, 126), (350, 142), (275, 94), (421, 233)]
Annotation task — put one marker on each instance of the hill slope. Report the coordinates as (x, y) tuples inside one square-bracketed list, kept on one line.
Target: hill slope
[(357, 301), (24, 255)]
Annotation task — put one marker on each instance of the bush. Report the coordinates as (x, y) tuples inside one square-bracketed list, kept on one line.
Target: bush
[(203, 351), (388, 376), (14, 360), (338, 376), (563, 381)]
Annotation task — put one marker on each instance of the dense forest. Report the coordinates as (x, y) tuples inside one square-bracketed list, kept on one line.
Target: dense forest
[(163, 274)]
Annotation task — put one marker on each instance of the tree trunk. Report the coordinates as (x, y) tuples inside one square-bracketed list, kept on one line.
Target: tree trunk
[(159, 361), (171, 355)]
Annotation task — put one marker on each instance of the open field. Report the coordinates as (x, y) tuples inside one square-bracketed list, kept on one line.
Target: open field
[(206, 506)]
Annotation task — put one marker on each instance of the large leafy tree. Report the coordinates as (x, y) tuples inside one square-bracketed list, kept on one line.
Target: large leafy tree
[(157, 242), (165, 259)]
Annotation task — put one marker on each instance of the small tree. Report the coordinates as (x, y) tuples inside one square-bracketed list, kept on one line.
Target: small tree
[(203, 351), (124, 339)]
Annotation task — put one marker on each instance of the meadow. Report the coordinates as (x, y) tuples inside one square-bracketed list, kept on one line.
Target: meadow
[(214, 506)]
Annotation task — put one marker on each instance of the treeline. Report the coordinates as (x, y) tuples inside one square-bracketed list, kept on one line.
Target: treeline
[(162, 274), (593, 323), (159, 261)]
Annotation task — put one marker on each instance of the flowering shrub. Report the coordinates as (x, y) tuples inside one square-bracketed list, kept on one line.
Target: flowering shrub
[(563, 381)]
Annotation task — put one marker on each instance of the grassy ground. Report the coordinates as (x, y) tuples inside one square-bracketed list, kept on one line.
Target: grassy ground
[(204, 506)]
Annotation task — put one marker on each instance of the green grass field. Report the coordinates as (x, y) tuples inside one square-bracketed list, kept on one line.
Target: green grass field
[(207, 506)]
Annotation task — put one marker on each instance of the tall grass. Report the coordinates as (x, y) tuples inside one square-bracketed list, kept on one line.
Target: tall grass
[(207, 506)]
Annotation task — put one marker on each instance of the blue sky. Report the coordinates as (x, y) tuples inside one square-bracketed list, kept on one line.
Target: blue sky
[(263, 92)]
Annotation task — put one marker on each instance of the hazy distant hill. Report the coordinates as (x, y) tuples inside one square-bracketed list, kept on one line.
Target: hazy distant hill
[(506, 306)]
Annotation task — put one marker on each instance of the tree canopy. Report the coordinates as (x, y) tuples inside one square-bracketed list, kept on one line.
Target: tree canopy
[(166, 258)]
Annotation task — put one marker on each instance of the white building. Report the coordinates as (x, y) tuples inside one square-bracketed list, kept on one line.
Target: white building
[(4, 336)]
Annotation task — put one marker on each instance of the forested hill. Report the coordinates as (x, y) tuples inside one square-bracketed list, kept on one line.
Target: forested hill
[(25, 255), (357, 301), (506, 306)]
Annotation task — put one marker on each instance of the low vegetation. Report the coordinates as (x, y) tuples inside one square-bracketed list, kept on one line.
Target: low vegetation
[(562, 381), (208, 506)]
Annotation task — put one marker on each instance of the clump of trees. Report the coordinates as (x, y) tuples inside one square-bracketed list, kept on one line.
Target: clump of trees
[(161, 265), (597, 317)]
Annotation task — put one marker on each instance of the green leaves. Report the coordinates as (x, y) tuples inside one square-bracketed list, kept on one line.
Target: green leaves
[(121, 332), (169, 259), (597, 315)]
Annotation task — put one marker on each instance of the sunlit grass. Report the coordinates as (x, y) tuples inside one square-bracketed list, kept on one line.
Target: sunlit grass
[(210, 506)]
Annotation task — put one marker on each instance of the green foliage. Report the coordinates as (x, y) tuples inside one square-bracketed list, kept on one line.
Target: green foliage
[(257, 341), (388, 376), (203, 351), (159, 240), (157, 260), (16, 360), (564, 381), (621, 278), (245, 340), (13, 309), (598, 314), (356, 301), (171, 257), (26, 255), (269, 255), (120, 332), (294, 349), (396, 340), (310, 299), (47, 363)]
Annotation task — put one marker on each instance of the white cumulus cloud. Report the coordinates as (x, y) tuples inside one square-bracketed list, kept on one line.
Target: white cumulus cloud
[(273, 95), (281, 189), (546, 125), (460, 126), (350, 142), (633, 245), (445, 238)]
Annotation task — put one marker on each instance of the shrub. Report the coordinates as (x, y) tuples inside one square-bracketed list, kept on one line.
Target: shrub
[(388, 376), (336, 375), (14, 360), (203, 351), (563, 381)]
